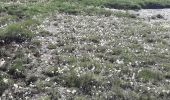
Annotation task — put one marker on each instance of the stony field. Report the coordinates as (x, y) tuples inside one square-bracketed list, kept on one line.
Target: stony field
[(95, 54)]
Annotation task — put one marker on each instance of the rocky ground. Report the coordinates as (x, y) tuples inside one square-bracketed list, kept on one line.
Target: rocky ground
[(91, 58)]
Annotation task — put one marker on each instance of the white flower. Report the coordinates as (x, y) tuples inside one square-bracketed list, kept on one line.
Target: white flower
[(68, 91), (74, 91), (148, 88), (16, 85), (5, 80), (119, 61), (2, 62), (47, 79)]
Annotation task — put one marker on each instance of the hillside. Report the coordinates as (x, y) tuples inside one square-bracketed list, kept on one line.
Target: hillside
[(84, 50)]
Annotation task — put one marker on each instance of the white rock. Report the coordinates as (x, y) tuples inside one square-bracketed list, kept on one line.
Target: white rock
[(2, 62), (16, 85), (5, 80), (74, 91)]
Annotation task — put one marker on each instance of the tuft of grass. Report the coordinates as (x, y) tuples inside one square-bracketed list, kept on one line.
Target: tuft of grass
[(148, 75), (17, 68), (18, 32)]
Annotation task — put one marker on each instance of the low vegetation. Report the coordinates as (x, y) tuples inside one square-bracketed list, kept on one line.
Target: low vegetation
[(77, 49)]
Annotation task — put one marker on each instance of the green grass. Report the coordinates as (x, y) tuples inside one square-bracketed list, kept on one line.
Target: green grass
[(148, 75), (18, 12), (18, 32), (95, 71)]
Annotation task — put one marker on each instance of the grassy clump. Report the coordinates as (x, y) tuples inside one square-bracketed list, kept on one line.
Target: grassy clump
[(17, 69), (84, 82), (16, 10), (148, 75), (17, 32)]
